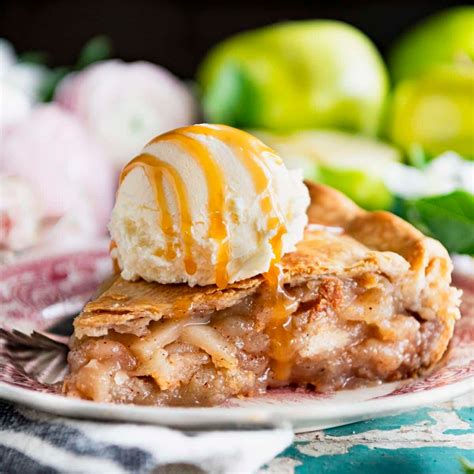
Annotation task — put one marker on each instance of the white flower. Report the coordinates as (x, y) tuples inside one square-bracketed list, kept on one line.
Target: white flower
[(443, 175), (7, 56), (20, 85), (15, 105), (26, 77), (452, 172)]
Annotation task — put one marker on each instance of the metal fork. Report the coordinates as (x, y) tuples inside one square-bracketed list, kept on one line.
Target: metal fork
[(43, 357)]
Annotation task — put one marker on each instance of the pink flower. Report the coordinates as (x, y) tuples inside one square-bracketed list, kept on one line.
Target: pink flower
[(65, 168), (125, 105)]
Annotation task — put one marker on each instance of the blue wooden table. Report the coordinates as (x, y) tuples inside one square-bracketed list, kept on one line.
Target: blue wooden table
[(433, 440)]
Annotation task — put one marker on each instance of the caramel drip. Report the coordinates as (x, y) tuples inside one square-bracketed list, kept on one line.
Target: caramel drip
[(250, 151), (279, 328), (115, 265), (166, 217), (155, 169), (156, 176), (215, 182)]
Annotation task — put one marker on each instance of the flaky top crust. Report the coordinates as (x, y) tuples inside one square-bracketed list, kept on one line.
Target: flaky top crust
[(379, 230), (342, 240)]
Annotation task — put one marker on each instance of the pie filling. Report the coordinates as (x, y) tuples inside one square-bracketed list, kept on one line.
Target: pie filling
[(339, 333)]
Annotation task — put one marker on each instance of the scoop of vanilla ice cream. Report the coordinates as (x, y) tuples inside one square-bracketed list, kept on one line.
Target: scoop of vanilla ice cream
[(205, 204)]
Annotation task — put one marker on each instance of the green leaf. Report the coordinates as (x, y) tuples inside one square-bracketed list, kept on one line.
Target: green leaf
[(448, 218), (96, 49), (466, 465), (417, 156), (51, 81), (35, 57)]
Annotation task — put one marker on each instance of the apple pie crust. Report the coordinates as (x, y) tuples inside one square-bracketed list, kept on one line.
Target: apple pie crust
[(371, 301)]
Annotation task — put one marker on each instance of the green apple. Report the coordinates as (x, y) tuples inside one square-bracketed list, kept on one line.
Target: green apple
[(366, 189), (295, 75), (332, 148), (445, 38), (353, 164), (435, 112)]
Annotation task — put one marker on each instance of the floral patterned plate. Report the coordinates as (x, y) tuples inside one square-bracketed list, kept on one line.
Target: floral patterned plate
[(43, 295)]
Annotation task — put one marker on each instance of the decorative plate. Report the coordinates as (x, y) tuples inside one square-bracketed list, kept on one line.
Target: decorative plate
[(44, 295)]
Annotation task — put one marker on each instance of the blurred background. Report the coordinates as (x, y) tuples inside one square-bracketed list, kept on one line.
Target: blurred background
[(373, 98), (177, 34)]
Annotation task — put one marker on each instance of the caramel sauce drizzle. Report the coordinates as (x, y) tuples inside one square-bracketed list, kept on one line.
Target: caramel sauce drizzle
[(166, 218), (215, 182), (250, 151), (115, 265), (279, 328), (155, 170)]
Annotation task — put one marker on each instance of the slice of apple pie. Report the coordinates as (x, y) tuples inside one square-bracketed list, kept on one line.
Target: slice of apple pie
[(368, 300)]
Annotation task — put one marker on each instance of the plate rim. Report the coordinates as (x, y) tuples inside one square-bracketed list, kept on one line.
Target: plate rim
[(300, 417), (303, 416)]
